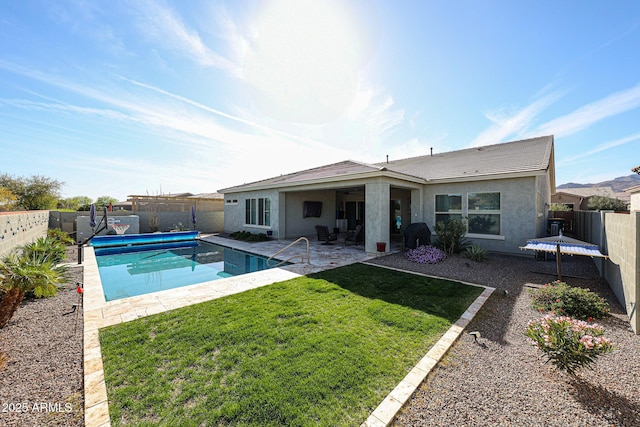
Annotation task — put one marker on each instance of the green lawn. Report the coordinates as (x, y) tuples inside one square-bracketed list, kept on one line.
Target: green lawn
[(323, 349)]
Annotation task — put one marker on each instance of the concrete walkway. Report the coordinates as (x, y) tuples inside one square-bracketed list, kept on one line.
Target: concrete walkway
[(99, 313)]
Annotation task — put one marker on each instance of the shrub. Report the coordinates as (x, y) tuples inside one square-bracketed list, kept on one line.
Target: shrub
[(476, 253), (451, 236), (569, 344), (249, 237), (62, 236), (46, 248), (425, 255), (20, 274), (560, 298)]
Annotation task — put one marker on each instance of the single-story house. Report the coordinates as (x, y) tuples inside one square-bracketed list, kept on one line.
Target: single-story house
[(577, 198), (634, 197), (502, 190)]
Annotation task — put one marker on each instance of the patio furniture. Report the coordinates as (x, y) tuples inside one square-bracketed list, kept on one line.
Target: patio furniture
[(324, 235), (356, 236)]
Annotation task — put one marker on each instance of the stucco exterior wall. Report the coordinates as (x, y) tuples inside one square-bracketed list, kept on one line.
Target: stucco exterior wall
[(635, 199), (377, 218), (518, 216), (296, 224), (544, 193), (20, 228), (234, 214)]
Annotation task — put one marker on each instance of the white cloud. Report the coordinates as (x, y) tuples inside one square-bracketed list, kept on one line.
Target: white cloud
[(512, 123), (600, 148), (163, 26), (591, 113)]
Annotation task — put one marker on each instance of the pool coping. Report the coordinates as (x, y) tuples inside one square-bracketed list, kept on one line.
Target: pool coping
[(99, 313)]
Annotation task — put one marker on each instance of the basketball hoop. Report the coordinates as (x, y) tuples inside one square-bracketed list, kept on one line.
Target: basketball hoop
[(120, 228)]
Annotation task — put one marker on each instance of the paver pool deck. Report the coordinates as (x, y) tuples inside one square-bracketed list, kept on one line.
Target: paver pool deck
[(99, 313)]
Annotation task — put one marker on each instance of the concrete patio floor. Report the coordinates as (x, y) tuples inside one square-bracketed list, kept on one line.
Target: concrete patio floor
[(99, 313)]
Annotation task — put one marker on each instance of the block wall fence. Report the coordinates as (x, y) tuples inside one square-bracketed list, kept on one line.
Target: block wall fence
[(618, 236), (20, 228)]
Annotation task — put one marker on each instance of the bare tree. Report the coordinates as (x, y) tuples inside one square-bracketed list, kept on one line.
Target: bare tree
[(151, 207)]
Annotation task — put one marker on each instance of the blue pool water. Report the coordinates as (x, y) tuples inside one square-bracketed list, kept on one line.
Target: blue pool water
[(127, 271)]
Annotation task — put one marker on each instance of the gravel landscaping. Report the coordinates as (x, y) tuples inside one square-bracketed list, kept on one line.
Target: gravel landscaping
[(501, 380), (41, 383), (498, 380)]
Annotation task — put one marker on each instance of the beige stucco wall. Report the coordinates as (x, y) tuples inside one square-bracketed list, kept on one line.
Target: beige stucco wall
[(521, 213), (635, 199), (19, 228), (622, 269)]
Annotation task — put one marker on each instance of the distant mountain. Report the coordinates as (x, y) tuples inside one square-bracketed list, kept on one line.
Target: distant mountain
[(618, 184)]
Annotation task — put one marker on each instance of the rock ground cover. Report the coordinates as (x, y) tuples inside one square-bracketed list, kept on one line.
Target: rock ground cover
[(499, 380)]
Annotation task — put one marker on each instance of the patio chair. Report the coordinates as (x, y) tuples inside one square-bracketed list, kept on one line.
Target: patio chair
[(324, 235), (356, 236)]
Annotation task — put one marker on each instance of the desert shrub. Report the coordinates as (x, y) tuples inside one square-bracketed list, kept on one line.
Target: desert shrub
[(22, 274), (425, 255), (46, 248), (476, 253), (569, 344), (450, 236), (62, 236), (559, 298)]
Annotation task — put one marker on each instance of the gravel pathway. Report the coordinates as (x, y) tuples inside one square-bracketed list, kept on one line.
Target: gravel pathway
[(502, 380), (499, 381)]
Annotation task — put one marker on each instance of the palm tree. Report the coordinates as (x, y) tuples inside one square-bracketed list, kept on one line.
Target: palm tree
[(24, 272)]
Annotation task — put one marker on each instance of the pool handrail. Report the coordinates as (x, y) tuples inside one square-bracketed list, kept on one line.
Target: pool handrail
[(294, 256)]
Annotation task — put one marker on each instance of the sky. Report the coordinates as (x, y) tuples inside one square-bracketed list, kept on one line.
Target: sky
[(116, 98)]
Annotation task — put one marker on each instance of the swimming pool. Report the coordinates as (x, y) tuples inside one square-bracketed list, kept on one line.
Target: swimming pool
[(128, 271)]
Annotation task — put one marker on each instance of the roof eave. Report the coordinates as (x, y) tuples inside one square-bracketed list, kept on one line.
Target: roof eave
[(326, 180)]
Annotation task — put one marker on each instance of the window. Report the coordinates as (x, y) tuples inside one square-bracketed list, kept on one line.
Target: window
[(484, 213), (258, 211), (231, 201), (448, 206)]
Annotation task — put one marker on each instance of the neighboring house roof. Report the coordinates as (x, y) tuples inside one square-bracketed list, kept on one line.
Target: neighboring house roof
[(519, 158), (633, 190), (589, 191), (207, 196), (176, 196)]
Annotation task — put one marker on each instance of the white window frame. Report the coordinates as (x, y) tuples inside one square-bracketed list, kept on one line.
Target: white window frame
[(258, 212)]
